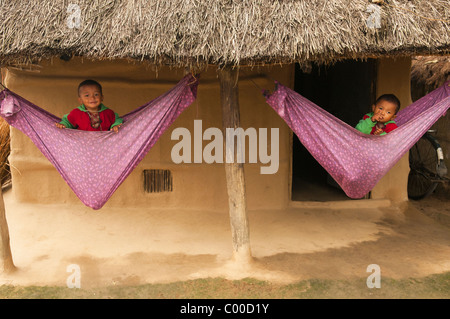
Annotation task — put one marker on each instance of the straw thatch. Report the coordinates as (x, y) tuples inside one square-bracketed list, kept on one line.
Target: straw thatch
[(198, 32), (430, 71)]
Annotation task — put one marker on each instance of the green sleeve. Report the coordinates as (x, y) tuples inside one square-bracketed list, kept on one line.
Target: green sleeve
[(117, 121), (365, 126), (65, 122)]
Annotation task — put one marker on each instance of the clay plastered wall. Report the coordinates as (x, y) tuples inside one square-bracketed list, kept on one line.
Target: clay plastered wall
[(127, 86), (394, 76)]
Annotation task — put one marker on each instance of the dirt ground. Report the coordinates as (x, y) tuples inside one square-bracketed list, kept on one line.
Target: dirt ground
[(140, 246)]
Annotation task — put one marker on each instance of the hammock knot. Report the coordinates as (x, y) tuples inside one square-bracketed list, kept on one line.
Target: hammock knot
[(9, 106)]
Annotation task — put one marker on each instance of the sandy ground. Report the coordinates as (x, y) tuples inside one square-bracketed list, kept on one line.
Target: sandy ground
[(113, 247)]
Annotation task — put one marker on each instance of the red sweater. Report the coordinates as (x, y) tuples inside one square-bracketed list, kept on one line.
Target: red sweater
[(388, 126), (78, 118), (366, 125)]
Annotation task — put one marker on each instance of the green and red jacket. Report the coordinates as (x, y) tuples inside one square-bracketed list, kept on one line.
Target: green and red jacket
[(366, 125), (78, 118)]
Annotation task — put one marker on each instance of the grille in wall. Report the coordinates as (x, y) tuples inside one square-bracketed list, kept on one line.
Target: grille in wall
[(157, 180)]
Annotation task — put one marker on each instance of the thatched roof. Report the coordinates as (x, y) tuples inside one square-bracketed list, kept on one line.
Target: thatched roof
[(430, 71), (191, 32)]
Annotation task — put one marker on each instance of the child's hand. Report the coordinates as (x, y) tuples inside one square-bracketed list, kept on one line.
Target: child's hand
[(59, 125), (116, 128), (376, 117), (378, 131)]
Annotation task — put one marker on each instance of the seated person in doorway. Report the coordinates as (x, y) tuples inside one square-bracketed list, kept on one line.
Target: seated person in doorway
[(381, 120), (91, 115)]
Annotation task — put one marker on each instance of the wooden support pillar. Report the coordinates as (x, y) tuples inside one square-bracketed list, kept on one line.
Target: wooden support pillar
[(228, 77), (6, 261)]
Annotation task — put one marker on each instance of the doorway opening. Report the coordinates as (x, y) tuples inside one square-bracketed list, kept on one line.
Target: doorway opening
[(345, 89)]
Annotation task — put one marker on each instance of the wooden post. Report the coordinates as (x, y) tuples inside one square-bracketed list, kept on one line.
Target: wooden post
[(6, 261), (228, 77)]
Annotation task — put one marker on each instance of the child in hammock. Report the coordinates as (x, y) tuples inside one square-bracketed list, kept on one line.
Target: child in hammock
[(91, 115), (381, 120)]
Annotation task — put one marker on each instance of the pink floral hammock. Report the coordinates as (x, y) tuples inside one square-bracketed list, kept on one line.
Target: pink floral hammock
[(94, 164), (356, 161)]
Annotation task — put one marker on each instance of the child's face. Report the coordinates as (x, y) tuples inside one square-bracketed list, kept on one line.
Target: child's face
[(90, 96), (384, 110)]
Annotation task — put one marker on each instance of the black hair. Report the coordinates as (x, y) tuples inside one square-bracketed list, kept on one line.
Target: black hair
[(390, 98), (89, 82)]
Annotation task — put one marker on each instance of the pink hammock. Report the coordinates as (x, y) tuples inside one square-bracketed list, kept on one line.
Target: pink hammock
[(94, 164), (355, 160)]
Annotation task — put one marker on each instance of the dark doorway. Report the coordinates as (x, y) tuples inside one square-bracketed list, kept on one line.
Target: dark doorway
[(346, 89)]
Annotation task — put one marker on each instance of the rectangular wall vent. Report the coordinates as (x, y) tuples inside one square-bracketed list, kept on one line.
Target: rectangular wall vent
[(157, 180)]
